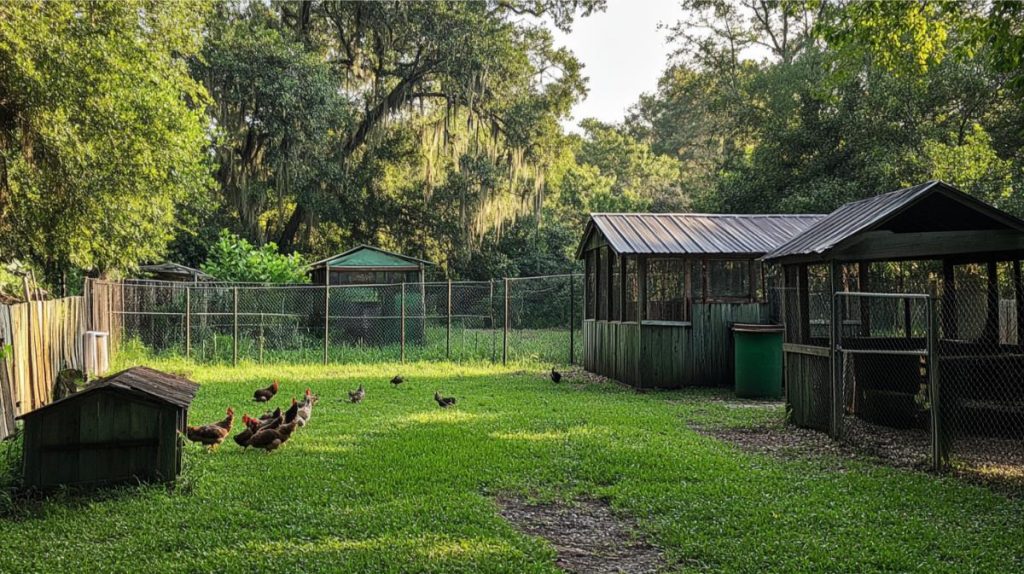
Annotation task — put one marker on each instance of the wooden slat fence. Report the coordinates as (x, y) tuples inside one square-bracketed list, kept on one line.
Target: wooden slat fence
[(41, 338)]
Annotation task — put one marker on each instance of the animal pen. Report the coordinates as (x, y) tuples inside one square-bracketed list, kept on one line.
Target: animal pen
[(506, 320), (664, 290), (903, 323)]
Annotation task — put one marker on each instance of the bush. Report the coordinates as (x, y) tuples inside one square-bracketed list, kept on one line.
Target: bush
[(233, 258)]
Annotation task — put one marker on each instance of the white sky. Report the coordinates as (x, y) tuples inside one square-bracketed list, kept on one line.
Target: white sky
[(623, 53)]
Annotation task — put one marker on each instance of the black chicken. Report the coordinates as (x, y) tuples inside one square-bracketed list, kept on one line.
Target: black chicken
[(443, 402), (397, 380), (555, 375)]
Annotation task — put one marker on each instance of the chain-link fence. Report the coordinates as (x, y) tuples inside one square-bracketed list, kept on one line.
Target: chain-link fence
[(535, 319)]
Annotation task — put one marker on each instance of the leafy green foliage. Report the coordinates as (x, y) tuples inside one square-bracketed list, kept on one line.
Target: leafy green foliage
[(101, 129), (233, 258)]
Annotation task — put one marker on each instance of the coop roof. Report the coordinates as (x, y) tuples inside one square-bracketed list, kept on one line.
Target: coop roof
[(694, 233), (175, 269), (929, 218), (369, 257), (142, 381)]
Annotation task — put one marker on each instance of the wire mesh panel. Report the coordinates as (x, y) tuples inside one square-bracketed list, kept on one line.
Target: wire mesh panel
[(884, 353), (544, 318), (982, 371)]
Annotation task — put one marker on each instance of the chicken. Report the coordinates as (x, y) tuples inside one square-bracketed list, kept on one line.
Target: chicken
[(251, 426), (271, 438), (443, 402), (211, 435), (292, 412), (397, 380), (264, 395), (271, 415), (357, 395), (555, 375), (306, 408)]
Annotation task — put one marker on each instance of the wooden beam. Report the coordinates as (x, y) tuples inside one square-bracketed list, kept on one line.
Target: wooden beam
[(876, 245)]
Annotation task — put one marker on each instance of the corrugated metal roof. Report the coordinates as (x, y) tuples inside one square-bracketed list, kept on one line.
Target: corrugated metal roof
[(867, 214), (166, 387), (696, 233), (368, 256)]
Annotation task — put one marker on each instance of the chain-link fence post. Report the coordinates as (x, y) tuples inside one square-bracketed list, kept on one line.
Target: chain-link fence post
[(448, 329), (327, 311), (234, 336), (403, 322), (490, 318), (504, 332)]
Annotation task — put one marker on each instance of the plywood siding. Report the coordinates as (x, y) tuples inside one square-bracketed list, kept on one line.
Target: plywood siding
[(712, 339), (808, 388)]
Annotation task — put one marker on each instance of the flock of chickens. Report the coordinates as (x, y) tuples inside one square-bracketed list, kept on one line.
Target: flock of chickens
[(273, 428), (268, 431)]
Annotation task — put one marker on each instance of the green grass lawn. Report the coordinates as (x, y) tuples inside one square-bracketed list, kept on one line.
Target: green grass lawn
[(397, 485)]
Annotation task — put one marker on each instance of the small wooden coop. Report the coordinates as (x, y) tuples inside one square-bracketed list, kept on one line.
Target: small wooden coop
[(367, 265), (662, 292), (891, 298), (119, 429)]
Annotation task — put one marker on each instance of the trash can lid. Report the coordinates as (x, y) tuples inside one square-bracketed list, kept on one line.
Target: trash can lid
[(756, 328)]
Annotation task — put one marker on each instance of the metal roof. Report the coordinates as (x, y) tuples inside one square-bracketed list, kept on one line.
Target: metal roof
[(175, 269), (868, 214), (695, 233), (368, 256), (159, 385)]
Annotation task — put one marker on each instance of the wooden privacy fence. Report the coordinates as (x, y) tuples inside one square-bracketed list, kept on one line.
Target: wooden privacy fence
[(39, 339)]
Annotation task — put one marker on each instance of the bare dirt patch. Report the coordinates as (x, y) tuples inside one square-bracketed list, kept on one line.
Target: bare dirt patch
[(588, 537)]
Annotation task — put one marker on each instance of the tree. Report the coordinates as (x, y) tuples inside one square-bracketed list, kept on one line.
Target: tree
[(101, 130), (233, 258)]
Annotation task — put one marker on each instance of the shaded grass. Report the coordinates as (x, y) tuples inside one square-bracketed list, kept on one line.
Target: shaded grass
[(397, 485)]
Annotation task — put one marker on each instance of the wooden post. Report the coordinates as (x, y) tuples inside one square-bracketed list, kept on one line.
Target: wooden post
[(950, 323), (327, 310), (403, 321), (836, 344), (864, 285), (504, 332), (572, 313), (261, 338), (940, 444), (992, 309), (188, 322), (1018, 295), (641, 315), (234, 337), (448, 328)]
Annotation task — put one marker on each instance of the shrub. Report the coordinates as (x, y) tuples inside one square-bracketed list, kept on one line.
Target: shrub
[(232, 258)]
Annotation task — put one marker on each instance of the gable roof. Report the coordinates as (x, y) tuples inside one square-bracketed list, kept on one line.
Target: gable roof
[(853, 218), (694, 233), (144, 381), (170, 268), (363, 256)]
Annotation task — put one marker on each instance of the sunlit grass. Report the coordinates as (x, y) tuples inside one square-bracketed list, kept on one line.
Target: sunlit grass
[(396, 484)]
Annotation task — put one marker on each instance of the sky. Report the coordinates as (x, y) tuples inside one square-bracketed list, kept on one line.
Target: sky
[(623, 53)]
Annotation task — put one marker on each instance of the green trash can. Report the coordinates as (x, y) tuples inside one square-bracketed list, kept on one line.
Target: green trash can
[(758, 360)]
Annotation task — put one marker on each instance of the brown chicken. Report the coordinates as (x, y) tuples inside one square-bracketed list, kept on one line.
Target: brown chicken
[(271, 438), (292, 412), (271, 415), (213, 434), (264, 395), (251, 426), (357, 395)]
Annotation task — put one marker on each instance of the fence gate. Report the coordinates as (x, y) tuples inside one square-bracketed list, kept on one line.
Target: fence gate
[(885, 376)]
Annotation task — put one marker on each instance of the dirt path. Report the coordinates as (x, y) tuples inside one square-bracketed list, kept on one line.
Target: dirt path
[(588, 536)]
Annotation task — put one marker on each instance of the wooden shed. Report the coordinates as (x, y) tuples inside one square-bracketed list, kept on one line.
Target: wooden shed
[(367, 265), (118, 429), (663, 290), (858, 339)]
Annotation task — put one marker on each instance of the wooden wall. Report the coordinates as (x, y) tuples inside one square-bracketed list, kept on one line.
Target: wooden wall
[(808, 375), (101, 437), (44, 337), (672, 355)]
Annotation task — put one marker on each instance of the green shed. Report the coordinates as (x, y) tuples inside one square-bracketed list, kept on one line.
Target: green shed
[(367, 265), (122, 428)]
